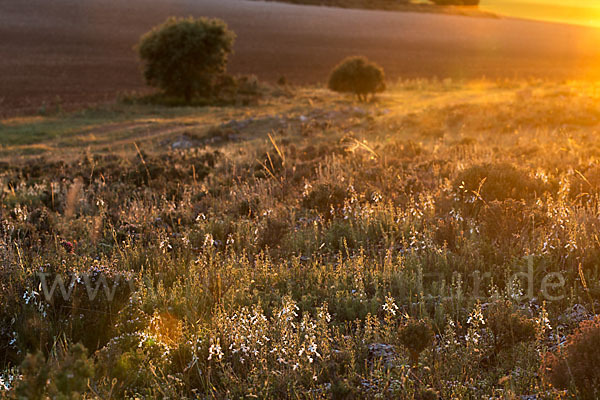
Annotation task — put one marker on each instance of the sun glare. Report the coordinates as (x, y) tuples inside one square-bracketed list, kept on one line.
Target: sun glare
[(565, 11)]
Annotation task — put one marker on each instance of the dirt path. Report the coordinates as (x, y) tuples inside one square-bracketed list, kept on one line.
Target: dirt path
[(74, 52)]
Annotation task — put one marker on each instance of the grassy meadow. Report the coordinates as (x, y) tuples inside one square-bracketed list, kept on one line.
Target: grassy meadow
[(282, 247)]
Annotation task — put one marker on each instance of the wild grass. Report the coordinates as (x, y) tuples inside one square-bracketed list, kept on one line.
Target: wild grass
[(297, 248)]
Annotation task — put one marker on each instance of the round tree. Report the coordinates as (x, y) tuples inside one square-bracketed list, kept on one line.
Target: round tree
[(358, 76), (416, 336), (183, 56)]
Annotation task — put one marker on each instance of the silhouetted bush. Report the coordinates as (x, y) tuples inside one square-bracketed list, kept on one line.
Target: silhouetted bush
[(427, 394), (416, 336), (183, 57), (273, 232), (585, 184), (324, 198), (358, 76), (503, 221), (500, 181)]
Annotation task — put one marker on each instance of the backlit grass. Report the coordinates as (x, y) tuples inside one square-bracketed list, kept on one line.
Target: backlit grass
[(305, 246)]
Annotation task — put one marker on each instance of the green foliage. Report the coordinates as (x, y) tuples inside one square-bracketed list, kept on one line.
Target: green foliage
[(34, 382), (183, 57), (70, 378), (132, 360), (358, 76), (65, 378)]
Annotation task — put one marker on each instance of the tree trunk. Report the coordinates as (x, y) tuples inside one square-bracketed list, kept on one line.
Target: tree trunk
[(414, 358)]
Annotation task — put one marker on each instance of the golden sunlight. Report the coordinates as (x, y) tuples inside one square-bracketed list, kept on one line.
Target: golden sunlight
[(300, 199), (583, 12)]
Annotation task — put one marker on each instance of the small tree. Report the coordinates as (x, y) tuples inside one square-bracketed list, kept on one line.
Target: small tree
[(184, 56), (416, 336), (359, 76)]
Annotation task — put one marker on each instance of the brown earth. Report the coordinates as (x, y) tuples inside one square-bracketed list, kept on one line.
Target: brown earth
[(74, 52)]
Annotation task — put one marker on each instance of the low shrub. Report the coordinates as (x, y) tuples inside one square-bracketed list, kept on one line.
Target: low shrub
[(505, 222), (575, 366), (324, 198), (416, 336), (499, 181), (585, 184), (508, 326), (358, 76), (66, 377), (273, 232)]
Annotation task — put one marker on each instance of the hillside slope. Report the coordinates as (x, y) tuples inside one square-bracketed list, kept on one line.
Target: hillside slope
[(69, 52)]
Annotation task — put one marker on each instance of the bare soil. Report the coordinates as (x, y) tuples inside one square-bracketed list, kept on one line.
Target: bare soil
[(69, 53)]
